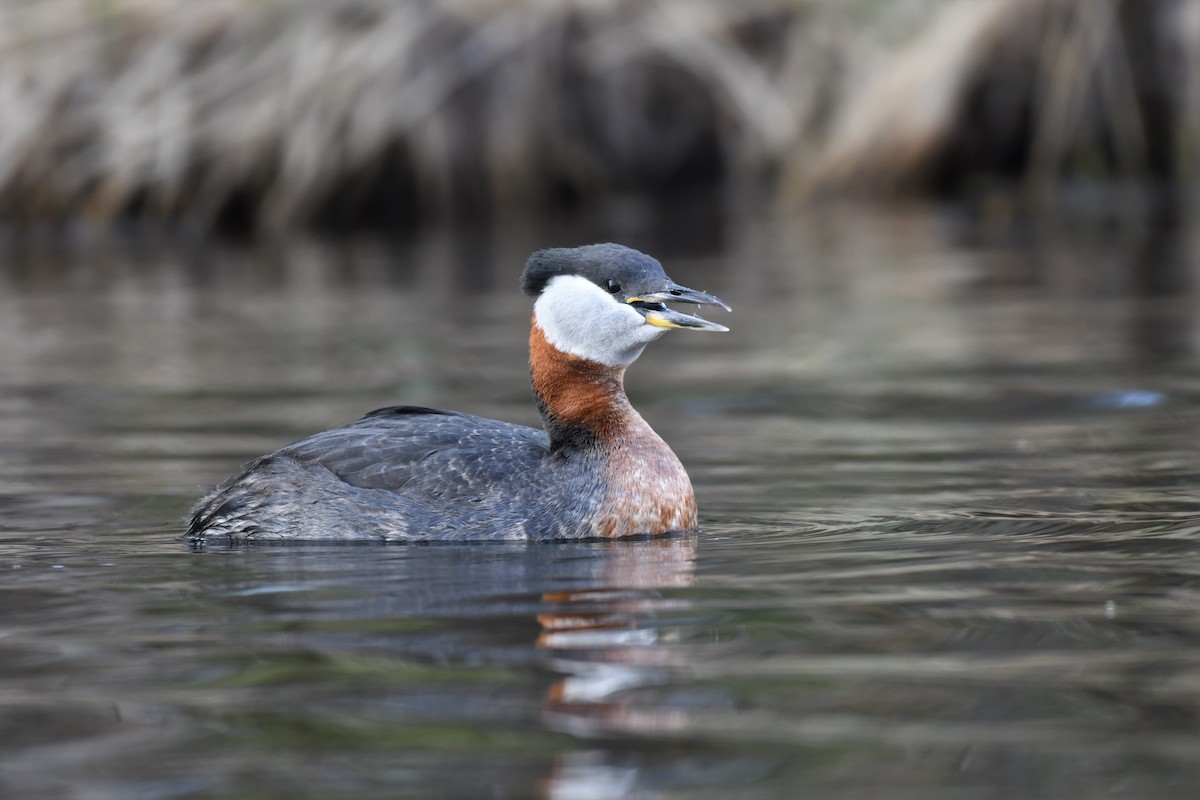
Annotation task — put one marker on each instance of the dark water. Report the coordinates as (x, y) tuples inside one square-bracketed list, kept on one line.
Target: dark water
[(950, 489)]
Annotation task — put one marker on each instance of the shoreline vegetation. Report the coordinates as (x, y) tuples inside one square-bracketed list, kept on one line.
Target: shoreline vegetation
[(265, 116)]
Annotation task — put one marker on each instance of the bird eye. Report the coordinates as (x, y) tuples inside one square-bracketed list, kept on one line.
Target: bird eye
[(612, 286)]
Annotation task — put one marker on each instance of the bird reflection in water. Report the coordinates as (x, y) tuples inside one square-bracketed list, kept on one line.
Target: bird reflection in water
[(607, 640), (454, 619)]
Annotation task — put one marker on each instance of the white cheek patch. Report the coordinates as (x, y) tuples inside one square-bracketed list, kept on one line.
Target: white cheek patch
[(580, 318)]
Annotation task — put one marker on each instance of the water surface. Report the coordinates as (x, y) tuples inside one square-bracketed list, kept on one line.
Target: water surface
[(949, 490)]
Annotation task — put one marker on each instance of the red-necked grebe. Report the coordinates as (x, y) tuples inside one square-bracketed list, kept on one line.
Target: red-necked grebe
[(419, 474)]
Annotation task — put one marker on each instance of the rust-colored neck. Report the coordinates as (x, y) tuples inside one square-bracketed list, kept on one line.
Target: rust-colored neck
[(581, 401), (641, 486)]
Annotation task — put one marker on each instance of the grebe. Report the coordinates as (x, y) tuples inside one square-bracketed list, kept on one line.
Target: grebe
[(410, 474)]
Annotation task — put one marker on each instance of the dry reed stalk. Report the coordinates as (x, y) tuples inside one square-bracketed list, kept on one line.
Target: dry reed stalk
[(1027, 90), (285, 111), (275, 113)]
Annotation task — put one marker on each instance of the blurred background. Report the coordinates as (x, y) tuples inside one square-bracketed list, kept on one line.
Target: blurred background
[(945, 457), (230, 116)]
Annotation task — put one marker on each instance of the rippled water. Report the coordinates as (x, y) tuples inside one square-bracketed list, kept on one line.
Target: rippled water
[(950, 491)]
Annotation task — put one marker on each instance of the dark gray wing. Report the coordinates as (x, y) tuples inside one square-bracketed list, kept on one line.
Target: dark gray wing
[(443, 454), (403, 473)]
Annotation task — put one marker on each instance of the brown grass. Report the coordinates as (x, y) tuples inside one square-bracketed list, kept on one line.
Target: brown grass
[(1029, 91), (269, 114), (279, 112)]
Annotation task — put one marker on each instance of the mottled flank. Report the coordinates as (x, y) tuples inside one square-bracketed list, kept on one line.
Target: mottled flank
[(647, 489), (414, 474), (406, 474)]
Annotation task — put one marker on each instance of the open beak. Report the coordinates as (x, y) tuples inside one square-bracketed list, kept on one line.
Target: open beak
[(652, 308)]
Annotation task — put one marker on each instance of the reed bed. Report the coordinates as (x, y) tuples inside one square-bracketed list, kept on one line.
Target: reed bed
[(271, 114), (1030, 92)]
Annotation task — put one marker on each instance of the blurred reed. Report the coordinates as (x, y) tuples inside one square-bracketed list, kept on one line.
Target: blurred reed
[(1030, 92), (270, 114)]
